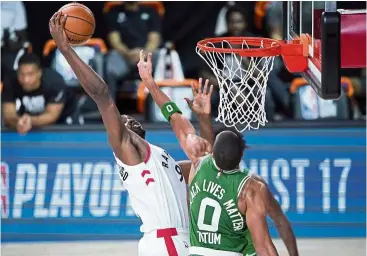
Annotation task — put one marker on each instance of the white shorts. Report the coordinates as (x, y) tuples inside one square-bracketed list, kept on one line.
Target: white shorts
[(165, 242)]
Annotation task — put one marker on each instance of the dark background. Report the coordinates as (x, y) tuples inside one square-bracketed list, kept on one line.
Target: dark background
[(184, 23)]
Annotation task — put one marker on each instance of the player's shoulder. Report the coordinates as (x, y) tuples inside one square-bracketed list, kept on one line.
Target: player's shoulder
[(155, 148), (156, 151), (251, 189), (204, 161)]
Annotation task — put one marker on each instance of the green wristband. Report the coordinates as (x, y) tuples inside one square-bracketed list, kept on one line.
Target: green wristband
[(168, 109)]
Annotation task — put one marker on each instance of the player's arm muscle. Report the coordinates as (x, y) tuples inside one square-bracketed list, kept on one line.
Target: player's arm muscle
[(180, 125), (283, 226), (119, 136), (281, 221), (256, 210)]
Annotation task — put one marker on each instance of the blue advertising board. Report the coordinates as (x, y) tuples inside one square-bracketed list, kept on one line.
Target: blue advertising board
[(65, 185)]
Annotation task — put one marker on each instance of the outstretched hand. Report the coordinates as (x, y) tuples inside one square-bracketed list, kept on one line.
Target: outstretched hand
[(56, 26), (196, 146), (145, 67), (200, 105)]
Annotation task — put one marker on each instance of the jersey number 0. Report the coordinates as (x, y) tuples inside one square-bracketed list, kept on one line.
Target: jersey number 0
[(214, 222)]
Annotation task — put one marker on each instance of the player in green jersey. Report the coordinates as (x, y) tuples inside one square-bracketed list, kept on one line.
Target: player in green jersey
[(250, 205), (241, 199)]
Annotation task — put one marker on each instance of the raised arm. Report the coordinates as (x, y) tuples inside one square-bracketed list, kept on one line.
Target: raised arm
[(119, 136), (201, 106), (193, 145), (253, 202)]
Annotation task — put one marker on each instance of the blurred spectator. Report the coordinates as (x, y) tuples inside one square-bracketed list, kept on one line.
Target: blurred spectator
[(278, 95), (236, 18), (359, 85), (274, 14), (206, 73), (35, 97), (237, 22), (132, 28), (13, 34)]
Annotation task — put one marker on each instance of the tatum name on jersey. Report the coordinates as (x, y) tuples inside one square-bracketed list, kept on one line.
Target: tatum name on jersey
[(216, 224)]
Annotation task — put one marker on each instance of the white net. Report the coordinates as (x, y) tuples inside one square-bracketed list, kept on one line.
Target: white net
[(242, 85)]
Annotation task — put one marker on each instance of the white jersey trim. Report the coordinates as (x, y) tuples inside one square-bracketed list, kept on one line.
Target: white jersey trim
[(211, 252), (243, 182), (201, 162), (144, 162)]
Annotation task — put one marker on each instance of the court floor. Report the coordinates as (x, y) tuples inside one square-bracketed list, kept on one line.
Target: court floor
[(307, 247)]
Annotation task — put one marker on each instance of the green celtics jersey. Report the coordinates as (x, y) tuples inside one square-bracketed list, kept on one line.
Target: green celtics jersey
[(215, 221)]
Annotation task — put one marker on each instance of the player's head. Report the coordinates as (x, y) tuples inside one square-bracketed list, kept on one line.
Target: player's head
[(29, 71), (236, 20), (228, 149), (133, 125)]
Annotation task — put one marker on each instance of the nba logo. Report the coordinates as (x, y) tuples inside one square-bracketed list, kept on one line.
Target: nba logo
[(4, 190)]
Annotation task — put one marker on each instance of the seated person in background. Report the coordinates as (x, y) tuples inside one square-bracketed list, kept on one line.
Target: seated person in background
[(13, 34), (35, 97), (236, 18), (234, 66), (132, 28), (278, 95)]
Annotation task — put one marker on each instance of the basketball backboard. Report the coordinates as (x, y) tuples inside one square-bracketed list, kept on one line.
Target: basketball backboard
[(321, 22)]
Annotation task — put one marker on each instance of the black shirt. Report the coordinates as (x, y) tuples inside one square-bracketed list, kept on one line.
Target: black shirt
[(51, 90), (133, 26)]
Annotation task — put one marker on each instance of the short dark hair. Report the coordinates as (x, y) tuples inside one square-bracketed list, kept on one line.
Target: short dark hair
[(239, 9), (228, 148), (239, 135), (30, 58)]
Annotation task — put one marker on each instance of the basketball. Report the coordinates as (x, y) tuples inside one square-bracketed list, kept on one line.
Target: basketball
[(80, 23)]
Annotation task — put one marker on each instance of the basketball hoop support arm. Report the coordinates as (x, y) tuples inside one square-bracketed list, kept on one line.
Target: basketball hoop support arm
[(294, 54)]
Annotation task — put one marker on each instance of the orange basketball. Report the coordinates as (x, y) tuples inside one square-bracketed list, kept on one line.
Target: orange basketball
[(80, 23)]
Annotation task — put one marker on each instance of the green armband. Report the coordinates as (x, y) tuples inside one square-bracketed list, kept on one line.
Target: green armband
[(168, 109)]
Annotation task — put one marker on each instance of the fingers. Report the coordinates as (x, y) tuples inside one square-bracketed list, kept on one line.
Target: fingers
[(149, 59), (211, 90), (52, 20), (193, 89), (189, 102), (57, 19), (200, 85), (206, 86), (63, 20), (142, 57), (205, 89)]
